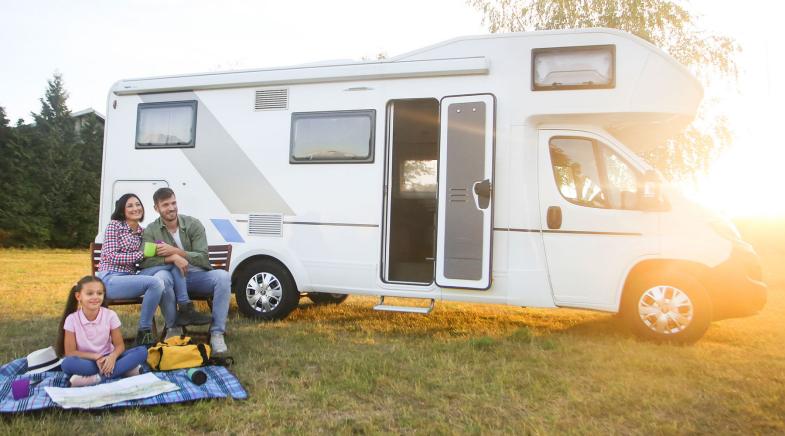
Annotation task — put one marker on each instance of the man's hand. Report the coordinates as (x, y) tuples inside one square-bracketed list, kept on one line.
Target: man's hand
[(181, 264), (164, 249)]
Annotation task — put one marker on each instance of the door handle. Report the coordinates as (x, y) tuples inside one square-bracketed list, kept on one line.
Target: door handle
[(482, 190), (554, 217)]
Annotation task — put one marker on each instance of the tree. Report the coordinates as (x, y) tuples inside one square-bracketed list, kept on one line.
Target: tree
[(665, 23), (50, 175), (23, 217), (84, 208), (55, 140)]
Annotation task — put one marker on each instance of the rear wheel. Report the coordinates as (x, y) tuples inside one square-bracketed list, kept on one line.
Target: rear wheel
[(325, 298), (264, 289), (671, 307)]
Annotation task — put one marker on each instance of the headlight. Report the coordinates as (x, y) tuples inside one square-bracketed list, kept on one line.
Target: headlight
[(726, 229)]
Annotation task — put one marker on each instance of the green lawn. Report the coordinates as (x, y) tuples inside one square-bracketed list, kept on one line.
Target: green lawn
[(463, 369)]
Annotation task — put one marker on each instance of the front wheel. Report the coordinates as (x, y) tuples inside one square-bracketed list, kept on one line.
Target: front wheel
[(668, 308), (265, 290)]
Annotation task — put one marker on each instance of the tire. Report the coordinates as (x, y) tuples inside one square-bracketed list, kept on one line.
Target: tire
[(670, 307), (325, 298), (265, 290)]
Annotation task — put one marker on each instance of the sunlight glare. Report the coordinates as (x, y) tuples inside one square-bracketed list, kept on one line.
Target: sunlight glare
[(746, 181)]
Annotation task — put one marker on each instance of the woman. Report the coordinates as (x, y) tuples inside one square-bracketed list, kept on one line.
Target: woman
[(121, 252)]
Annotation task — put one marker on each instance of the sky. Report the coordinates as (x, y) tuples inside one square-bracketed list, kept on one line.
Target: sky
[(96, 43)]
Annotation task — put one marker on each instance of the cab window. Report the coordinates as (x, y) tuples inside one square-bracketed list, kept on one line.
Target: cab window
[(588, 173)]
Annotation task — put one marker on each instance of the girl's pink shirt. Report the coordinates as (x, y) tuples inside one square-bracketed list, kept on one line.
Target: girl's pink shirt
[(93, 336)]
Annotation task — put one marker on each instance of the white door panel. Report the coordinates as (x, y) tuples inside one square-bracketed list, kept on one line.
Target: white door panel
[(465, 211)]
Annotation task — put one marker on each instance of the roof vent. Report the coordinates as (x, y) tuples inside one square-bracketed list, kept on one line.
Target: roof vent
[(266, 224), (272, 99)]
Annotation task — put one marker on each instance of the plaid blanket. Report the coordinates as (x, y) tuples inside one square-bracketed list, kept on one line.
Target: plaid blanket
[(220, 384)]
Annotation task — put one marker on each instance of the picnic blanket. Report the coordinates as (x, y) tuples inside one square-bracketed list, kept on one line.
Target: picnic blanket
[(220, 384)]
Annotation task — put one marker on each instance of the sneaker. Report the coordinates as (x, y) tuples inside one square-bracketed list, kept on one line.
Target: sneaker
[(133, 372), (217, 343), (172, 332), (187, 315), (78, 381), (144, 337)]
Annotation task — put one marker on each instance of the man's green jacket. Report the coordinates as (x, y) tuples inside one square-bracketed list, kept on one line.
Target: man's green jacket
[(192, 236)]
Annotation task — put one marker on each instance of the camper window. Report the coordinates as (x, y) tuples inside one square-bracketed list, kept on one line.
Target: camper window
[(332, 137), (166, 125), (585, 67), (588, 173)]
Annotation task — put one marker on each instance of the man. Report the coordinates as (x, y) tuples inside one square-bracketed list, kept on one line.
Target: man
[(181, 240)]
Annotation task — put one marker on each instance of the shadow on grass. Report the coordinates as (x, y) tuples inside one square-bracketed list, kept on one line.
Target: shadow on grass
[(458, 320), (605, 326)]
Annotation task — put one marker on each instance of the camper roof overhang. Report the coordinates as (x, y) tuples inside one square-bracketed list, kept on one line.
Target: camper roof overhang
[(306, 74)]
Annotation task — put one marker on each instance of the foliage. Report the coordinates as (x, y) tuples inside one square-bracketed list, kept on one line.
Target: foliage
[(51, 175), (665, 23)]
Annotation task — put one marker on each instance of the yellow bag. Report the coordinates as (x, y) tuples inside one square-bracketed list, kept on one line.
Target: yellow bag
[(176, 353)]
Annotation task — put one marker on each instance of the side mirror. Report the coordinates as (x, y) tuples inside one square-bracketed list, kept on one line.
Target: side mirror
[(650, 196)]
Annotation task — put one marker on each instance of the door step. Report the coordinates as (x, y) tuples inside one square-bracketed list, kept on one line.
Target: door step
[(407, 309)]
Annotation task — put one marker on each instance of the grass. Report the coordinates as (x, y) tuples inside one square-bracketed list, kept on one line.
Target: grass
[(463, 369)]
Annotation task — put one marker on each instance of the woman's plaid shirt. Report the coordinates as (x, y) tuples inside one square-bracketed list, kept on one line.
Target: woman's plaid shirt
[(122, 249)]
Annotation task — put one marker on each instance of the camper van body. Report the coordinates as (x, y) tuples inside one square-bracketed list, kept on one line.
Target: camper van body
[(438, 179)]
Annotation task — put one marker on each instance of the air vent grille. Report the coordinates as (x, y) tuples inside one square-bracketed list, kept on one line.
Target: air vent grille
[(272, 99), (268, 224)]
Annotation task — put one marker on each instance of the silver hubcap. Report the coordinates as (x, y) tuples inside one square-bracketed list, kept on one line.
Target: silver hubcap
[(263, 292), (666, 310)]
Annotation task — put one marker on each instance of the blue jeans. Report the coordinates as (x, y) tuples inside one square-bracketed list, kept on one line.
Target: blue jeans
[(178, 281), (216, 283), (122, 285), (127, 361), (175, 290)]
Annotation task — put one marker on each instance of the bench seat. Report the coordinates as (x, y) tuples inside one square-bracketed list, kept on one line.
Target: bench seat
[(220, 258)]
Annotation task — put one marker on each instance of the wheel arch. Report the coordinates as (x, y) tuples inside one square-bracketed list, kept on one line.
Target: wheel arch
[(297, 274), (646, 267)]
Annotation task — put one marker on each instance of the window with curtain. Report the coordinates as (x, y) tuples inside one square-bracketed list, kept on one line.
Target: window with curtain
[(341, 136), (166, 125)]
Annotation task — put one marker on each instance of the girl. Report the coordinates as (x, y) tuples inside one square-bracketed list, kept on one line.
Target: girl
[(90, 340)]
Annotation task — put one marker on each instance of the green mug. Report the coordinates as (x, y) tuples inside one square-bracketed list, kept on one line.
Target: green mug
[(149, 249)]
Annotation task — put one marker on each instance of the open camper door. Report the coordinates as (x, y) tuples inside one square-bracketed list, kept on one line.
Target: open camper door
[(465, 211)]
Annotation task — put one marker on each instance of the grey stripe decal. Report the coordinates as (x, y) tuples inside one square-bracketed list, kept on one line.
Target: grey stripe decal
[(224, 166), (312, 223), (571, 232)]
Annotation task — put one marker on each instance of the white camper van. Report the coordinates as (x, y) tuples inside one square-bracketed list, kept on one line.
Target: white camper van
[(495, 169)]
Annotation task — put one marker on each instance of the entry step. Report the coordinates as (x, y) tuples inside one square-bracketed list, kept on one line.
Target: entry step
[(407, 309)]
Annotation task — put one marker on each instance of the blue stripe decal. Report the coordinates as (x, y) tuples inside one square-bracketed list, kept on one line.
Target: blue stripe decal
[(227, 230)]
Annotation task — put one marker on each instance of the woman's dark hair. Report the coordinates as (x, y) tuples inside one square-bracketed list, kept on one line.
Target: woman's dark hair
[(119, 207), (71, 304)]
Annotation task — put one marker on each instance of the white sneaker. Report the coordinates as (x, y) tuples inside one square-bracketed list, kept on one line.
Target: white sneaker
[(78, 381), (217, 343), (134, 372), (172, 332)]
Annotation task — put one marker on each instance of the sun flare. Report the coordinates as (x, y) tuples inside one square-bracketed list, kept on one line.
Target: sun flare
[(745, 181)]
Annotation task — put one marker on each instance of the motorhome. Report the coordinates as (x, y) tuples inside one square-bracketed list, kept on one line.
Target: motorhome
[(493, 169)]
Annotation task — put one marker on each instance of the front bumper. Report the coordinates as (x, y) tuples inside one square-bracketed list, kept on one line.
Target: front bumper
[(736, 286)]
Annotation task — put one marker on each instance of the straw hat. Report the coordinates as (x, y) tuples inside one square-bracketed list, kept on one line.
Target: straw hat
[(42, 360)]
